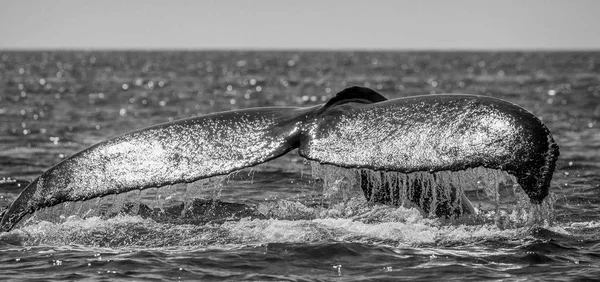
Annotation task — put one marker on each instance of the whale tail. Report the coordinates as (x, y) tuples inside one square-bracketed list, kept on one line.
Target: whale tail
[(358, 128)]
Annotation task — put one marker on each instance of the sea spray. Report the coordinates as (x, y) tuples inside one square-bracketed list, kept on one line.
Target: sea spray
[(494, 195)]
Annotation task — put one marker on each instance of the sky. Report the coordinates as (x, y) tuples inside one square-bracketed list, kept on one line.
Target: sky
[(308, 24)]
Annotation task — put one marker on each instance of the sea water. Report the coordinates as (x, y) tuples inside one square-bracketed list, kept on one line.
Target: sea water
[(289, 219)]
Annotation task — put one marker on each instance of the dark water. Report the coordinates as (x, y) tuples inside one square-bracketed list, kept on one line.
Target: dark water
[(53, 104)]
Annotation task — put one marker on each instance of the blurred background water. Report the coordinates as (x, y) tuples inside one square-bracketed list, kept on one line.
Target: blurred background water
[(53, 104)]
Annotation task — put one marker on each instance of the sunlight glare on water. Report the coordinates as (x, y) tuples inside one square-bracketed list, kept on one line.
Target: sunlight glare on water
[(286, 220)]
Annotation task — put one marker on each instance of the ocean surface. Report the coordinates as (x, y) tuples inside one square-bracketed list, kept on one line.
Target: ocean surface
[(281, 221)]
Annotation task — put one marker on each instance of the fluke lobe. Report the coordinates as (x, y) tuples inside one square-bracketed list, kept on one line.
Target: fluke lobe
[(357, 128)]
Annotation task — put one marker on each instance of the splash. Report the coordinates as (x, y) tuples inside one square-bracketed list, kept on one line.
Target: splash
[(471, 197), (481, 193), (387, 226), (172, 201)]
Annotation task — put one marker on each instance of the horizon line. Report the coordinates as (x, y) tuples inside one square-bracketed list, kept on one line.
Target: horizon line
[(284, 49)]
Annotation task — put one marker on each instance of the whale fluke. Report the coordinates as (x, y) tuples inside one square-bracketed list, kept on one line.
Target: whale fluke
[(358, 128), (436, 133), (177, 152)]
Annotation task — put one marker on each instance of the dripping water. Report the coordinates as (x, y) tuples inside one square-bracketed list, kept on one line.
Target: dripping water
[(171, 200), (480, 193)]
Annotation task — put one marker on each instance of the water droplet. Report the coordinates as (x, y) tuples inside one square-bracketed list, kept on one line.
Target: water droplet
[(42, 81), (229, 88), (313, 98), (551, 92), (258, 88), (232, 101), (139, 82), (161, 83), (21, 71), (162, 103), (97, 127), (122, 112), (21, 86), (253, 81), (291, 63), (328, 90), (125, 86), (590, 124), (61, 156), (339, 268)]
